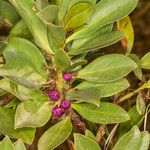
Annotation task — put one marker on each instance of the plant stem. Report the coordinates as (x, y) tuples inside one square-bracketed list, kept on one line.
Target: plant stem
[(133, 93), (60, 81)]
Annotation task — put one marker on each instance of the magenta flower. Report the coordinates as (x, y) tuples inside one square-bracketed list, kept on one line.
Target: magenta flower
[(65, 104), (53, 94), (67, 76), (57, 111)]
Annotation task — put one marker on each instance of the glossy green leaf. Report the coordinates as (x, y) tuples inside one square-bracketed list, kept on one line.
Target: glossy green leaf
[(7, 126), (24, 63), (137, 71), (8, 14), (145, 142), (106, 89), (88, 44), (6, 144), (62, 60), (19, 145), (140, 104), (125, 26), (34, 23), (13, 103), (77, 15), (129, 141), (88, 95), (74, 2), (105, 12), (56, 135), (106, 113), (56, 35), (48, 14), (32, 114), (107, 68), (41, 4), (84, 143), (135, 119), (20, 30), (90, 135), (21, 92), (145, 61)]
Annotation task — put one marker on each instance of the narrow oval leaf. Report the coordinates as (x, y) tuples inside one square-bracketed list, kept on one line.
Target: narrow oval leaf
[(125, 26), (77, 15), (106, 89), (84, 143), (24, 63), (145, 61), (19, 145), (7, 127), (32, 114), (107, 68), (34, 23), (129, 141), (8, 14), (88, 95), (137, 71), (88, 44), (62, 60), (56, 135), (106, 113), (6, 144), (21, 92), (105, 12), (145, 140), (90, 135), (140, 104)]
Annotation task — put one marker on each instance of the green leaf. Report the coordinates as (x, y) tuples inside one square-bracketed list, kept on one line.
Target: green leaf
[(6, 144), (8, 14), (145, 61), (129, 141), (32, 114), (19, 145), (56, 35), (20, 30), (84, 143), (140, 104), (88, 44), (126, 27), (56, 135), (107, 68), (77, 15), (62, 60), (2, 47), (135, 119), (106, 113), (2, 92), (13, 103), (106, 89), (41, 4), (21, 92), (7, 126), (137, 71), (90, 135), (145, 140), (48, 14), (74, 2), (24, 63), (34, 23), (105, 12), (88, 95)]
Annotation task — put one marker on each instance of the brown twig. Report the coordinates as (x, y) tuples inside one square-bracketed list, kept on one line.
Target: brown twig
[(100, 133)]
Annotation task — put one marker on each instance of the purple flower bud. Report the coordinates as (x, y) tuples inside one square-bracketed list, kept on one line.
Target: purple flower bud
[(57, 111), (53, 94), (65, 104), (67, 76)]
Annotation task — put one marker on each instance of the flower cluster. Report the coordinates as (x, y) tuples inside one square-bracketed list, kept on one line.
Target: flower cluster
[(54, 95)]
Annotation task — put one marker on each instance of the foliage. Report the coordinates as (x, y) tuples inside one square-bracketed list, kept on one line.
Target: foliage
[(45, 67)]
